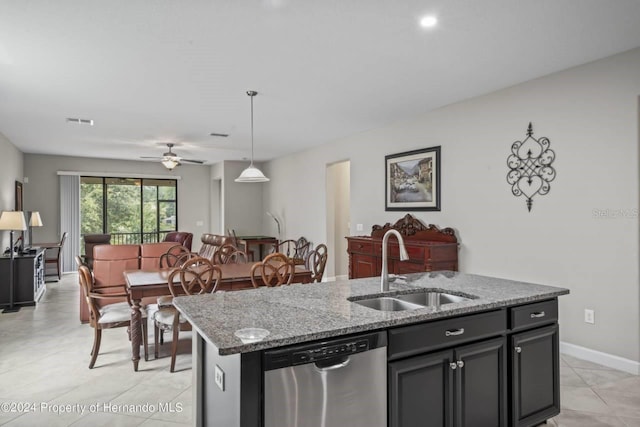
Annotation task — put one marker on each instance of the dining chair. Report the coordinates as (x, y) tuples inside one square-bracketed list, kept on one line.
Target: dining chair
[(53, 256), (196, 276), (175, 256), (110, 316), (296, 250), (230, 254), (316, 261), (92, 240), (275, 270)]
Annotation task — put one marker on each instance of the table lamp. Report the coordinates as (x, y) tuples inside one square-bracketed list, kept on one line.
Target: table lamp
[(34, 221), (12, 220)]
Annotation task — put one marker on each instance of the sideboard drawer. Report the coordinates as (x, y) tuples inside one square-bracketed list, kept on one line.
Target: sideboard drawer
[(360, 246), (425, 337), (531, 315)]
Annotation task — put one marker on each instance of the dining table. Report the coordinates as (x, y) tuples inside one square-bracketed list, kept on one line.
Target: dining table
[(153, 283)]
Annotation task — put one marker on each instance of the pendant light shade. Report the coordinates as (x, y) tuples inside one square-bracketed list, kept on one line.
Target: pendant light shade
[(252, 173)]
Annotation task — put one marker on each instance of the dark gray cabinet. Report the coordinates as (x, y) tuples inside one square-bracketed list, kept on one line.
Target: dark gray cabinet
[(28, 278), (534, 364), (462, 387), (450, 372)]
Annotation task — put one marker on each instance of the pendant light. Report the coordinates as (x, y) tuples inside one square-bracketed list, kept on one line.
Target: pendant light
[(252, 173)]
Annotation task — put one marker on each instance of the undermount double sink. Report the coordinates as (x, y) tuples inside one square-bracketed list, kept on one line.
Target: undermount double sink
[(413, 301)]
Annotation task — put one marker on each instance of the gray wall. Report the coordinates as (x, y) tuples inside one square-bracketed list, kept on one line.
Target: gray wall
[(10, 172), (42, 193), (583, 235), (242, 201)]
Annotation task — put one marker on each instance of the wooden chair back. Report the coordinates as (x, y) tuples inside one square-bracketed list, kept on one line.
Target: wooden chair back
[(229, 254), (175, 256), (275, 270), (316, 262), (195, 276)]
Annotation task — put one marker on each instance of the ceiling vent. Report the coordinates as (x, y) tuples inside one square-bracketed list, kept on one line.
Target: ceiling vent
[(80, 121)]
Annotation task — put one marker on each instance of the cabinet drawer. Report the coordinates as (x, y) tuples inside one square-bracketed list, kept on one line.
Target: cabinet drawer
[(425, 337), (531, 315), (416, 253), (360, 246)]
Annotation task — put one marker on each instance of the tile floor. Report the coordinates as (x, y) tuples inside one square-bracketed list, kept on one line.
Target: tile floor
[(44, 354)]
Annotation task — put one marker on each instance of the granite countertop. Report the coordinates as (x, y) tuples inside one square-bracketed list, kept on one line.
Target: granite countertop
[(307, 312)]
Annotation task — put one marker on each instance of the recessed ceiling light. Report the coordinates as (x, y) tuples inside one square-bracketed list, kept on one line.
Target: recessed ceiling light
[(80, 121), (428, 21)]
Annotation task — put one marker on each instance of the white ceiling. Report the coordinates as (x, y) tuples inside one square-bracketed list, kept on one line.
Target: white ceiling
[(155, 71)]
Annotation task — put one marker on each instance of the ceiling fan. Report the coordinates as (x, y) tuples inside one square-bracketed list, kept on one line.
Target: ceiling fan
[(170, 159)]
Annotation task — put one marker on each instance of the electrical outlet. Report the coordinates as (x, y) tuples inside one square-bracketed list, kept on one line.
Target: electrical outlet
[(589, 316), (359, 227), (219, 377)]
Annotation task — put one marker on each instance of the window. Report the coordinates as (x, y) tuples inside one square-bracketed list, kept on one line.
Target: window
[(132, 210)]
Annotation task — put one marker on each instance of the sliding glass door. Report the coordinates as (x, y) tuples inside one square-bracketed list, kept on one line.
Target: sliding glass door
[(131, 210)]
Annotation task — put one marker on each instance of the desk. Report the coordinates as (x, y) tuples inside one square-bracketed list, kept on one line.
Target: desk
[(153, 283), (256, 240)]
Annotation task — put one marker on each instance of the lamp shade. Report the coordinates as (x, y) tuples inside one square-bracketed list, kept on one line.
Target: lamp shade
[(12, 220), (35, 220), (252, 174)]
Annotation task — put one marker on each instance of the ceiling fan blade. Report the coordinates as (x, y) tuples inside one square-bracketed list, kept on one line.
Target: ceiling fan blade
[(199, 162), (150, 157)]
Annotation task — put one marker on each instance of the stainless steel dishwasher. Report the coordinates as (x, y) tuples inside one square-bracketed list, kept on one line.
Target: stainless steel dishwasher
[(335, 383)]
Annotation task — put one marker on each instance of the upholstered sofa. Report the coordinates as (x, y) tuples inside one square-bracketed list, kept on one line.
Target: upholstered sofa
[(110, 261), (211, 243)]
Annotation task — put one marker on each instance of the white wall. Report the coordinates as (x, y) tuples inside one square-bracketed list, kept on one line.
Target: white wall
[(10, 172), (590, 114), (338, 218), (42, 193)]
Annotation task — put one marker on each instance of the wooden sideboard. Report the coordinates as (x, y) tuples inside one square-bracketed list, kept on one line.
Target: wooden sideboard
[(429, 249)]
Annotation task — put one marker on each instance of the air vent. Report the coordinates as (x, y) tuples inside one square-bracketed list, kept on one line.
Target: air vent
[(80, 121), (221, 135)]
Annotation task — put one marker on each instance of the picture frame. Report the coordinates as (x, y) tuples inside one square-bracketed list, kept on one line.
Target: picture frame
[(18, 195), (412, 180)]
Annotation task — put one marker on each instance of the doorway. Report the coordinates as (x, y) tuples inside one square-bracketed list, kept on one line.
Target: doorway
[(338, 218)]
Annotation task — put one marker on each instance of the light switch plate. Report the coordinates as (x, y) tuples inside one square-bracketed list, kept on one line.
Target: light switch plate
[(199, 223), (359, 227), (219, 377)]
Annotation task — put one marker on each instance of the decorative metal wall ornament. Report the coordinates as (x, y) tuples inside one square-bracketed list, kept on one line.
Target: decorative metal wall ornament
[(530, 167)]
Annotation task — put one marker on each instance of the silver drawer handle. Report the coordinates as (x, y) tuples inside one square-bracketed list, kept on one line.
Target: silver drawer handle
[(537, 314), (453, 365), (518, 349), (454, 332), (460, 364)]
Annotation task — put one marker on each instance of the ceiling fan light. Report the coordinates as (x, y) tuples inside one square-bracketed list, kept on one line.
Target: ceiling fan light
[(252, 174), (170, 163)]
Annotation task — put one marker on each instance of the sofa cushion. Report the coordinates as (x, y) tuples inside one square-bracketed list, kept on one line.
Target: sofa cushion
[(110, 261), (150, 254)]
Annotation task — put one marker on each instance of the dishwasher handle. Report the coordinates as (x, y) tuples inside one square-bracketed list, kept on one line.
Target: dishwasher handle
[(332, 363)]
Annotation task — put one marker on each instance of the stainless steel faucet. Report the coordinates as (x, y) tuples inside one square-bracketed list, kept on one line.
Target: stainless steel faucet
[(384, 277)]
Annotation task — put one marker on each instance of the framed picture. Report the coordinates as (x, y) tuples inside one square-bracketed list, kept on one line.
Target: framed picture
[(412, 180), (18, 206)]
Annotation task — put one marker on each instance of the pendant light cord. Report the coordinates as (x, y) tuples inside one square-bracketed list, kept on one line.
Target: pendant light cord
[(251, 94)]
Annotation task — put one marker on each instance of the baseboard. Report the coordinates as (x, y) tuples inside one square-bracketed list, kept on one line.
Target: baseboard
[(605, 359), (341, 277)]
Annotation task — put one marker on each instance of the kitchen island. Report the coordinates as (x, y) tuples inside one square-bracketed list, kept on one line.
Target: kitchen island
[(509, 313)]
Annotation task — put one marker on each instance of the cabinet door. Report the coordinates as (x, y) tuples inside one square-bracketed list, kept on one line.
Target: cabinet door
[(481, 384), (421, 391), (535, 376), (364, 266), (406, 267)]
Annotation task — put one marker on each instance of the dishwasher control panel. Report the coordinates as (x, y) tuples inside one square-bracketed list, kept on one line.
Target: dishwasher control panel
[(329, 351), (323, 350)]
